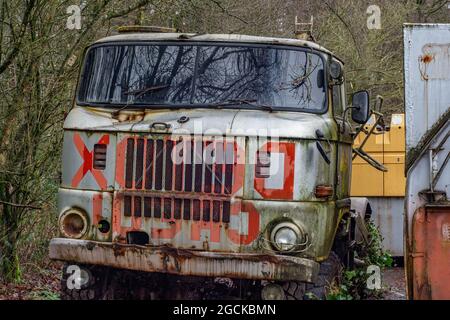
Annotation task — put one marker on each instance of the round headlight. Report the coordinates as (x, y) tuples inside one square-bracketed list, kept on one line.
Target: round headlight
[(73, 224), (285, 239), (286, 236)]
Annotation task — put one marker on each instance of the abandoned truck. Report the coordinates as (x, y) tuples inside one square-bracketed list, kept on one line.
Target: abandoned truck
[(207, 166)]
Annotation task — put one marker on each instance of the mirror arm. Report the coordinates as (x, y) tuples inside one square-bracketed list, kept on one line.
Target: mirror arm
[(377, 122), (345, 117), (379, 103), (361, 146)]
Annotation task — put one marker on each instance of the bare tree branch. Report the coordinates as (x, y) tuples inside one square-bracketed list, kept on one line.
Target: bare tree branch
[(358, 50), (15, 49), (17, 205), (126, 11), (219, 5)]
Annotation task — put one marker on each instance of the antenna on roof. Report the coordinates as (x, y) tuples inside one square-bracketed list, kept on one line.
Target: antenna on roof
[(304, 30)]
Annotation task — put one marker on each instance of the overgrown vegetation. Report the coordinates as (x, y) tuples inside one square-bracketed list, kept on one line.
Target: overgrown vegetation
[(354, 285), (40, 59), (44, 295)]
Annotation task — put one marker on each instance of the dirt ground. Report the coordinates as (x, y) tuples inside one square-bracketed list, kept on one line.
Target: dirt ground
[(37, 283)]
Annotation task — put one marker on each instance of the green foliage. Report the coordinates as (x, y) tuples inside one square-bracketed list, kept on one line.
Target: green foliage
[(39, 60), (375, 254), (10, 267), (353, 284), (44, 295)]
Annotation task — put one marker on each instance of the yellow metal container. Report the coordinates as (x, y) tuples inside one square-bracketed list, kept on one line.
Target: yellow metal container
[(389, 149)]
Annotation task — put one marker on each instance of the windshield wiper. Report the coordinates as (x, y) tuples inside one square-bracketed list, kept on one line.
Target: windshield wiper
[(250, 102), (138, 94), (131, 105), (143, 91), (231, 102)]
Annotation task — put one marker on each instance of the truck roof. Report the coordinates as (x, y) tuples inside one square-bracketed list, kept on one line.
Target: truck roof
[(149, 36)]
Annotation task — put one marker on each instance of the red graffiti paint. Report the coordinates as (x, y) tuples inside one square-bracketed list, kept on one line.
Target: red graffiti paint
[(287, 168), (253, 224), (118, 230), (97, 208), (212, 227), (87, 166), (117, 220), (120, 162), (169, 230), (239, 169)]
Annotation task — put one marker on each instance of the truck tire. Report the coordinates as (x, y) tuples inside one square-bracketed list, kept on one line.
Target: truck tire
[(329, 272), (79, 283), (344, 246), (105, 283), (98, 283)]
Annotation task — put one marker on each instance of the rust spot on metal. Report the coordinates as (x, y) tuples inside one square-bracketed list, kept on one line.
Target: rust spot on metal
[(206, 245), (165, 260), (118, 250), (427, 58)]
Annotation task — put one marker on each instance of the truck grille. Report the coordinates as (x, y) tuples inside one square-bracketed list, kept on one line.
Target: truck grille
[(150, 166), (177, 208)]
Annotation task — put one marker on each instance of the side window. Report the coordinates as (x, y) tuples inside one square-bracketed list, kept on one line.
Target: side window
[(338, 105)]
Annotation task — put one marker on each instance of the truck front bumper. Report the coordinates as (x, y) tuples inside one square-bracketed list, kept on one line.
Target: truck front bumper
[(185, 262)]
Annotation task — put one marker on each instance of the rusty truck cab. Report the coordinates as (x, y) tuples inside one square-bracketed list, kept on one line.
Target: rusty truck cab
[(217, 156)]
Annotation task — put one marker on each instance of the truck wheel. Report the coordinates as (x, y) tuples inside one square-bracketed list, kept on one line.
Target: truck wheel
[(344, 245), (330, 271), (83, 282)]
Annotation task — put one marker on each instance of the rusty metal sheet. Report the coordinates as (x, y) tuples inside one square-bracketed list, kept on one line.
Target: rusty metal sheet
[(431, 253), (185, 262)]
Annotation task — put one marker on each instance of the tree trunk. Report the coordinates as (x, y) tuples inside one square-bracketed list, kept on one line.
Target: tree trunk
[(9, 259)]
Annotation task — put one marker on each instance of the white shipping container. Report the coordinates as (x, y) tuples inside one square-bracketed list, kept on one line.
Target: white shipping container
[(427, 108)]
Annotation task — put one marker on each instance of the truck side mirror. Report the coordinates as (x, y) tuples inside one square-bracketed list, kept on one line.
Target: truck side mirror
[(360, 107)]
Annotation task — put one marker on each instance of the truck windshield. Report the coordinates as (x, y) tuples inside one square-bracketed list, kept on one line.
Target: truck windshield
[(202, 75)]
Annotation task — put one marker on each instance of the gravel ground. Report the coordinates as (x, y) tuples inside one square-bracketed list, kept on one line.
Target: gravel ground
[(394, 282)]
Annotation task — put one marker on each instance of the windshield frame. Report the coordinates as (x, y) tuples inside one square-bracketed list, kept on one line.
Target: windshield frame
[(140, 106)]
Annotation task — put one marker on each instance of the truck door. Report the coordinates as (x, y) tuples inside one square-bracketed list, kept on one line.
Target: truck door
[(344, 153)]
